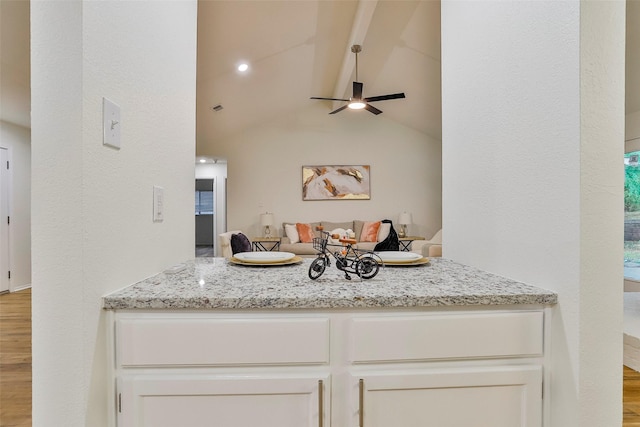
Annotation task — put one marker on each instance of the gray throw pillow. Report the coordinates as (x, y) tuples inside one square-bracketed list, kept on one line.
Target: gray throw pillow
[(240, 243)]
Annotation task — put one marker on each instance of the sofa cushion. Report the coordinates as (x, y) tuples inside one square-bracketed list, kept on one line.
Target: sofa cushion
[(298, 248), (240, 243), (314, 226), (370, 232), (366, 246), (292, 233), (383, 231), (340, 232), (357, 228), (328, 226), (305, 232)]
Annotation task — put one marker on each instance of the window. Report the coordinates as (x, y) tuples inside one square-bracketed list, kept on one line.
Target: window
[(632, 215), (204, 202)]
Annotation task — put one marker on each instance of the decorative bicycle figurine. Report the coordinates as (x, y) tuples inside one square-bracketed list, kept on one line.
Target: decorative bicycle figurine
[(348, 259)]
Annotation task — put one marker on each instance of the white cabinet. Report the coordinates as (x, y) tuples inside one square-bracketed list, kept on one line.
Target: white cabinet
[(473, 397), (361, 368), (199, 369), (234, 401)]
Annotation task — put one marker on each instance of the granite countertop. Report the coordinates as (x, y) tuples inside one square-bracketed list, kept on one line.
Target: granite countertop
[(215, 283)]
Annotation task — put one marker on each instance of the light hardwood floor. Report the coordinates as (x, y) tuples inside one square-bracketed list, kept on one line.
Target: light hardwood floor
[(15, 359), (15, 366), (631, 399)]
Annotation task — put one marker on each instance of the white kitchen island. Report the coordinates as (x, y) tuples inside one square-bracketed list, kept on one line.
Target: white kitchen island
[(223, 345)]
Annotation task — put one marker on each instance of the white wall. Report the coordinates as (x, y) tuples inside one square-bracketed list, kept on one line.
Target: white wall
[(92, 205), (217, 172), (265, 170), (18, 140), (14, 62), (539, 87)]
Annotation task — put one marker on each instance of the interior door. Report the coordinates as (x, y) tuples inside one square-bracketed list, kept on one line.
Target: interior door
[(4, 220), (205, 212)]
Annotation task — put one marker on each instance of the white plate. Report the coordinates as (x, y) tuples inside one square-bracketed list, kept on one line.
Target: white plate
[(264, 257), (398, 256), (294, 260)]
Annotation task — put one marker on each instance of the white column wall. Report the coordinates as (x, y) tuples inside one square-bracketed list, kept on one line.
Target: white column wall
[(533, 129), (92, 205), (602, 134)]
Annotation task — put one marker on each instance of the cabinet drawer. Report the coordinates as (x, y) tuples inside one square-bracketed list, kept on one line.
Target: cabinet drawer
[(188, 341), (470, 335)]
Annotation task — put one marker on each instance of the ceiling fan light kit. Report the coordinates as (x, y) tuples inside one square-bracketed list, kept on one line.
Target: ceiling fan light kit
[(357, 102)]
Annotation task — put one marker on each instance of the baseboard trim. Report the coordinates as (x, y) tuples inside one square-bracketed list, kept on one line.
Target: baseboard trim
[(21, 288)]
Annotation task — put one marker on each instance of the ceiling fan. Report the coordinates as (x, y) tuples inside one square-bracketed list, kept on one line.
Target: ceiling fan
[(357, 102)]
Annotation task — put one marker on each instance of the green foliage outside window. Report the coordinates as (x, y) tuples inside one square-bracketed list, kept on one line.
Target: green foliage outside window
[(631, 186)]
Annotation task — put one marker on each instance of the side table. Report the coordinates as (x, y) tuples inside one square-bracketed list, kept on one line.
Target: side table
[(405, 242), (272, 243)]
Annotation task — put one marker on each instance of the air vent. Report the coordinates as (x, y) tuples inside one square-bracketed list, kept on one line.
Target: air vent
[(217, 107)]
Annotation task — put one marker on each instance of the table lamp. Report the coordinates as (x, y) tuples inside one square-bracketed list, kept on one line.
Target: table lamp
[(404, 220), (266, 220)]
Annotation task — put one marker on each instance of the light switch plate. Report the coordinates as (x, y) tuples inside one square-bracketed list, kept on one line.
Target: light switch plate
[(110, 124), (158, 204)]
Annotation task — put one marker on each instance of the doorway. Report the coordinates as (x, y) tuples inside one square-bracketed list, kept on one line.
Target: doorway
[(4, 220), (205, 217)]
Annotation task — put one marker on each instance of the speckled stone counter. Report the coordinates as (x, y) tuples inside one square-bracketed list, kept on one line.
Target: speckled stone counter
[(214, 283)]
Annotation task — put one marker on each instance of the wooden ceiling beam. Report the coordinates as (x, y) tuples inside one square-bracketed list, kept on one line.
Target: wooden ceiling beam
[(361, 21)]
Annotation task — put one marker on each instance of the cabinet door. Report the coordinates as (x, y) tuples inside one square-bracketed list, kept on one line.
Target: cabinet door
[(478, 397), (216, 401)]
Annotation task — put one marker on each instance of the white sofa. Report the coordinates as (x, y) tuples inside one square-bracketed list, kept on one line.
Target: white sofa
[(428, 248), (307, 249)]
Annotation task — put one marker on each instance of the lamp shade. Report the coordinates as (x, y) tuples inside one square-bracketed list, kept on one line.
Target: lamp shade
[(404, 219), (266, 219)]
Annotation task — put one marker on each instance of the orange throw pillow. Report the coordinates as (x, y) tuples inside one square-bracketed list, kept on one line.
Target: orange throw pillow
[(370, 232), (305, 232)]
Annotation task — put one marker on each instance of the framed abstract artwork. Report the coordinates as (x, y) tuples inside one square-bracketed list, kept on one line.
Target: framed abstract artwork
[(336, 182)]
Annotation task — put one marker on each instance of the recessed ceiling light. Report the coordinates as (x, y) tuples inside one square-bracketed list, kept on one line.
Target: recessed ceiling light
[(203, 160), (243, 67)]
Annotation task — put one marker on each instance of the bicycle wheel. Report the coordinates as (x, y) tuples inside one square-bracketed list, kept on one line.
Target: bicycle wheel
[(367, 267), (317, 267)]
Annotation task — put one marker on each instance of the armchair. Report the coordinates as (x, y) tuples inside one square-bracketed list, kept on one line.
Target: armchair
[(429, 248), (225, 243)]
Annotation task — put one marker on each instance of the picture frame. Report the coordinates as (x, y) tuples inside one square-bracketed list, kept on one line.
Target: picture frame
[(336, 182)]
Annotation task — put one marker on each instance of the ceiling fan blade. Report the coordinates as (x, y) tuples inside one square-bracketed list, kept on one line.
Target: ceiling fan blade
[(357, 90), (329, 99), (338, 110), (385, 97), (372, 109)]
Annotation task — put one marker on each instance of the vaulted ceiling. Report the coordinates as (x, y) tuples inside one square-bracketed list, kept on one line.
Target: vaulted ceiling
[(299, 49), (296, 49)]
